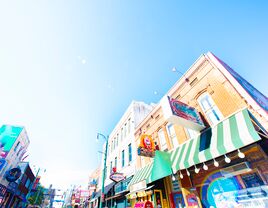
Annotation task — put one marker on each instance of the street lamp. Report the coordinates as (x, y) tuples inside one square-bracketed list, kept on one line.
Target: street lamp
[(174, 69), (104, 168)]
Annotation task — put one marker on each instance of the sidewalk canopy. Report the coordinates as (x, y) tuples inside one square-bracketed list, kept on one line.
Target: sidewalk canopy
[(230, 134), (153, 172), (108, 187)]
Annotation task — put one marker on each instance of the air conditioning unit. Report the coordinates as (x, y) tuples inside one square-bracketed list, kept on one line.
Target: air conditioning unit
[(236, 170)]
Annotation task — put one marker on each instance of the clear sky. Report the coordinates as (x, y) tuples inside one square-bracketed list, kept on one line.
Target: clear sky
[(69, 69)]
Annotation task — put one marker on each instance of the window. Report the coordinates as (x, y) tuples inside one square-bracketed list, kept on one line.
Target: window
[(115, 162), (121, 134), (162, 140), (172, 135), (112, 146), (191, 133), (125, 130), (114, 143), (123, 158), (129, 153), (28, 182), (117, 138), (18, 144), (129, 125), (111, 166), (210, 109)]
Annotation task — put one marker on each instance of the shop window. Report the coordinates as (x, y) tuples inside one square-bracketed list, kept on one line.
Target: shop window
[(210, 109), (172, 135), (162, 139), (129, 153)]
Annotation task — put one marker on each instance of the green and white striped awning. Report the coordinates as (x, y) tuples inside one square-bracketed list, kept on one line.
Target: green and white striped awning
[(231, 134), (142, 174), (152, 172)]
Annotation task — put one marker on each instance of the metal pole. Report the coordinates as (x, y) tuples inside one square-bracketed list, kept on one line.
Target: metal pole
[(104, 169)]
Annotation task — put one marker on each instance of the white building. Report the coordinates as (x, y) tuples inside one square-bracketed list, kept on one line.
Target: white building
[(121, 149), (14, 143)]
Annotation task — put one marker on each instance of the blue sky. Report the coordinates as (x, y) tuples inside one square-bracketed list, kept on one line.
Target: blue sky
[(70, 69)]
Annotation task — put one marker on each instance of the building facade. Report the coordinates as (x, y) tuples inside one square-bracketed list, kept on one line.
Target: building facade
[(14, 143), (121, 157), (210, 131)]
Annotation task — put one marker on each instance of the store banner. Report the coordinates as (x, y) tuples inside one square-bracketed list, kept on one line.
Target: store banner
[(179, 113)]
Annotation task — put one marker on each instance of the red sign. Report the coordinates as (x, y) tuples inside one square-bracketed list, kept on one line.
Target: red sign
[(117, 177), (146, 204), (36, 182)]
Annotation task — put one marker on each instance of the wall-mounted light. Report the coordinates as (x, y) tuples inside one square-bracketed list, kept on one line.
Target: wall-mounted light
[(216, 163), (205, 167), (240, 154), (196, 170), (227, 159), (181, 176), (188, 173)]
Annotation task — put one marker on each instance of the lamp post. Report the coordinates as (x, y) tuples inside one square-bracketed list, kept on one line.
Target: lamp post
[(174, 69), (104, 168)]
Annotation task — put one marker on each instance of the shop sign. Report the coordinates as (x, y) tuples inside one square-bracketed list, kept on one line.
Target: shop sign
[(117, 177), (13, 174), (177, 112), (146, 147), (192, 200), (146, 204), (138, 186)]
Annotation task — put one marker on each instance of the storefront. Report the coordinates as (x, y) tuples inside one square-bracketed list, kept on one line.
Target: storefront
[(149, 185), (224, 166)]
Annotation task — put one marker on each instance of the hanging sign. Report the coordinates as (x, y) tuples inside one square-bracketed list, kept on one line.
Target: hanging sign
[(117, 177), (177, 112), (13, 174), (146, 147)]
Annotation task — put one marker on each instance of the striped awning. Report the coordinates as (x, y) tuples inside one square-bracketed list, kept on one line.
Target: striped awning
[(142, 174), (231, 134), (152, 172)]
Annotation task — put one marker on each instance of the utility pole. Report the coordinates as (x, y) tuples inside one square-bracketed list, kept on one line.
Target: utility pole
[(104, 168)]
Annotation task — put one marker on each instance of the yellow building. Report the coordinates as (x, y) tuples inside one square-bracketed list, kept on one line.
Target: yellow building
[(211, 160)]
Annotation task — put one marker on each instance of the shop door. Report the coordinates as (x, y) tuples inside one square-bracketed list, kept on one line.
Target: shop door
[(120, 204)]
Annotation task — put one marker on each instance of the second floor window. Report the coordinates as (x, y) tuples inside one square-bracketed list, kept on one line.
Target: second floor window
[(123, 158), (162, 139), (111, 166), (129, 153), (172, 135), (210, 109), (115, 162), (191, 133)]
